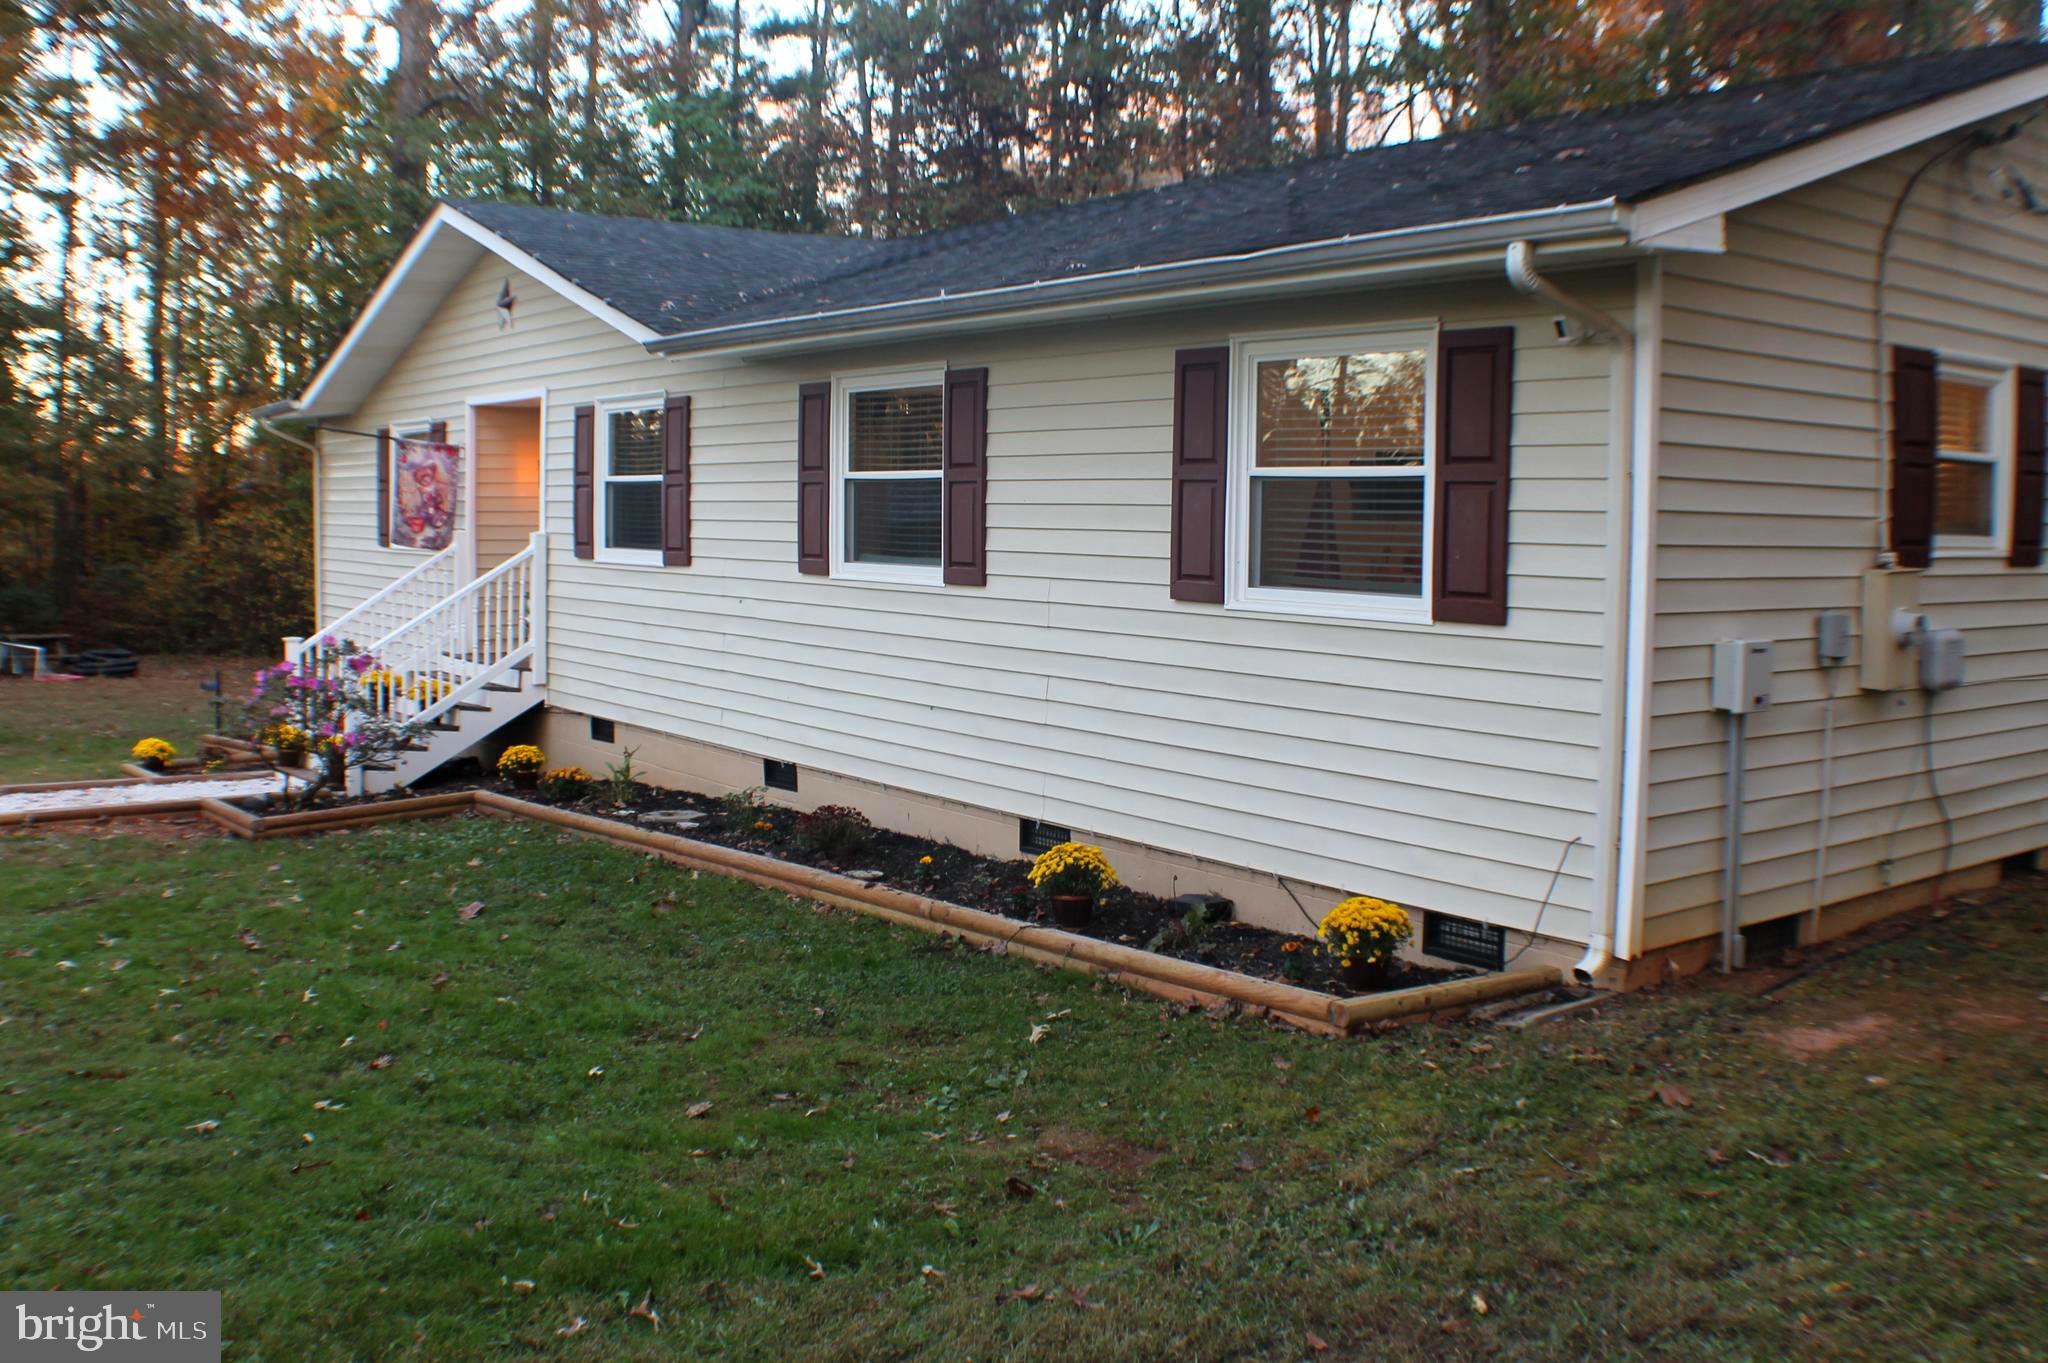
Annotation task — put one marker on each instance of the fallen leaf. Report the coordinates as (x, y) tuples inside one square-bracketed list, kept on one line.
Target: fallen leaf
[(1080, 1299), (440, 982), (817, 1269), (574, 1327), (1777, 1157), (697, 1109), (249, 939), (1038, 1031), (523, 1286), (1246, 1162), (1028, 1292), (594, 1072), (1479, 1306), (645, 1311), (1314, 1114), (1317, 1344), (469, 911), (1017, 1187), (1674, 1095), (930, 1272), (383, 1062), (1715, 1157), (204, 1128)]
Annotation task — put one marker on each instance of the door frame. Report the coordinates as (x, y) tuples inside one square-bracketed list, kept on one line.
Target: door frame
[(540, 455)]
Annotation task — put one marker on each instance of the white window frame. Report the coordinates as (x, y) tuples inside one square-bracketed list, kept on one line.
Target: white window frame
[(844, 386), (411, 430), (1245, 354), (1997, 380), (602, 479)]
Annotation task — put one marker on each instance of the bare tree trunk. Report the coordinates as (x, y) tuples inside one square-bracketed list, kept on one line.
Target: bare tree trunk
[(814, 108), (1677, 47), (157, 269), (593, 59), (894, 215), (67, 523), (414, 22), (682, 82), (1346, 80), (1255, 97), (541, 72), (1489, 23)]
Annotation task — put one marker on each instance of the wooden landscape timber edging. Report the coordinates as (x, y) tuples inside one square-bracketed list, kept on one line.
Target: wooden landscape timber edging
[(1181, 981)]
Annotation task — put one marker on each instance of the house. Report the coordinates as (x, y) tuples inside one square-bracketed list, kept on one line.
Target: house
[(1372, 524)]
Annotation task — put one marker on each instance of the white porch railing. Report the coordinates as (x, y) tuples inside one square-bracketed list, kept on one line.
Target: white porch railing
[(450, 650), (394, 606)]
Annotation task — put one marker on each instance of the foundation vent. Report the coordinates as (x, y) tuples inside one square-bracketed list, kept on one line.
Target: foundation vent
[(778, 775), (1464, 940), (602, 731), (1034, 837)]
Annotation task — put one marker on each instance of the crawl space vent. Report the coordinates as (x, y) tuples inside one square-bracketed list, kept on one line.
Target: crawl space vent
[(601, 731), (1464, 940), (778, 775), (1034, 837)]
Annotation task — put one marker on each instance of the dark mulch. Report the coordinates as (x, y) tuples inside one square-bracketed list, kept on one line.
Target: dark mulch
[(1125, 916)]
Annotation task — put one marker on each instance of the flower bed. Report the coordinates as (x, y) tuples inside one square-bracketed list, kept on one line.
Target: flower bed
[(942, 871)]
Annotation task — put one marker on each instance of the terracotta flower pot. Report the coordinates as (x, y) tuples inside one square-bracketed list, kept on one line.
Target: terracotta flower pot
[(155, 764), (291, 757), (526, 780), (1073, 910)]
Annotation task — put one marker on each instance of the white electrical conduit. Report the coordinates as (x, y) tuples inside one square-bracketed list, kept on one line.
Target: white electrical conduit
[(1520, 263), (1827, 800)]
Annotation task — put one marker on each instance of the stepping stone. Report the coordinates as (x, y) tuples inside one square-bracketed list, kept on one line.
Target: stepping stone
[(672, 818), (864, 875)]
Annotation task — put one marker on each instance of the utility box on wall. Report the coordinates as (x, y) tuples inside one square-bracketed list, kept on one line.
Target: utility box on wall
[(1887, 661), (1742, 675)]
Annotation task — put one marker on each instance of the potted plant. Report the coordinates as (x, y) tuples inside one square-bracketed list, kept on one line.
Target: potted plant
[(1361, 935), (1072, 876), (289, 740), (153, 753), (522, 764)]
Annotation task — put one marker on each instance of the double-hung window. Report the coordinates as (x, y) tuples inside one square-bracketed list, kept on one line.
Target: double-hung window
[(1331, 463), (888, 451), (1970, 475), (629, 481)]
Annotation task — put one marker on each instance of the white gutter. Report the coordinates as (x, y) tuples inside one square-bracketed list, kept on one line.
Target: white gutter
[(1592, 218), (1590, 324)]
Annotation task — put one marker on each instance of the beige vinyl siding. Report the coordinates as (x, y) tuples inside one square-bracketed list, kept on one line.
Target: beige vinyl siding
[(1448, 767), (1768, 503)]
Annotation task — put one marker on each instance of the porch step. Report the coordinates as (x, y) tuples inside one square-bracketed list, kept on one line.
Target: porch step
[(500, 686), (470, 706)]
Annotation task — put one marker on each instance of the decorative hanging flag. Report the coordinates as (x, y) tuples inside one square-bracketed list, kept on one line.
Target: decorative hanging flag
[(428, 475)]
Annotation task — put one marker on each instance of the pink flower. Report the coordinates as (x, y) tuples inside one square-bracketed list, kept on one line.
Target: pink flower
[(362, 663)]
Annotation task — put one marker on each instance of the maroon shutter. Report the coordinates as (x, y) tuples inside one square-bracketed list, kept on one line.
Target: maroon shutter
[(1913, 438), (2030, 469), (813, 479), (1201, 438), (675, 483), (583, 491), (1475, 391), (384, 486), (965, 520)]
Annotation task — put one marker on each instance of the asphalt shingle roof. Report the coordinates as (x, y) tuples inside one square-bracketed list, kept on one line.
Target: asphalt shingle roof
[(678, 277)]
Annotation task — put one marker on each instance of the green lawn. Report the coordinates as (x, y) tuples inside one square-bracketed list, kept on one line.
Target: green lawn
[(68, 731), (891, 1167)]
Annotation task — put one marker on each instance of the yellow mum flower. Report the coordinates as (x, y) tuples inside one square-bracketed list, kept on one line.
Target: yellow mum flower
[(1362, 928), (152, 750), (521, 757)]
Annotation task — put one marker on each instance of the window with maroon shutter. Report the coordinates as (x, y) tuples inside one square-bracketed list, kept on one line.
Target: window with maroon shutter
[(965, 517), (1201, 468), (1475, 387), (384, 486), (582, 481), (2030, 468), (675, 483), (814, 479), (1914, 399)]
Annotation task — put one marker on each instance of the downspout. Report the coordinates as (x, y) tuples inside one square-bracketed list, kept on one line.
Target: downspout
[(1583, 323), (265, 418)]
